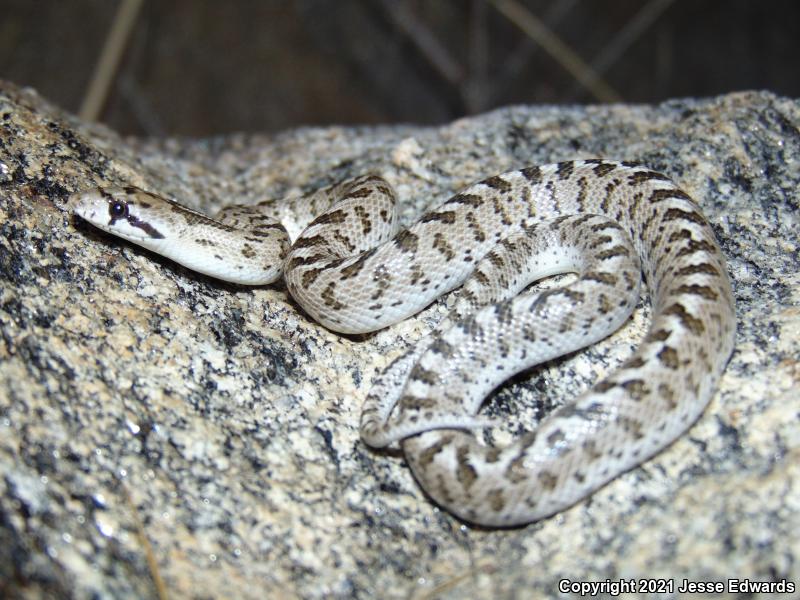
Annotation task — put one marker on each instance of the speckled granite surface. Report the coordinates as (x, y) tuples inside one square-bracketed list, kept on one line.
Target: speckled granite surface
[(158, 424)]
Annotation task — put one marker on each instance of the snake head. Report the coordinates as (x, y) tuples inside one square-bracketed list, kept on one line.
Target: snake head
[(127, 212)]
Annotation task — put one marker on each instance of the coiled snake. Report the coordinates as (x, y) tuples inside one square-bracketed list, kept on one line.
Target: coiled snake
[(352, 271)]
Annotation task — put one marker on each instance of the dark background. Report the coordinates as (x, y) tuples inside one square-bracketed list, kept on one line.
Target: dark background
[(208, 67)]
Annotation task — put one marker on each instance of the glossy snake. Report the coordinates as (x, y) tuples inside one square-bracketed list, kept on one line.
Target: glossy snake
[(352, 271)]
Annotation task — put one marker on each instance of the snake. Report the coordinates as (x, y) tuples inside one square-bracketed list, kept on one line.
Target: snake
[(350, 266)]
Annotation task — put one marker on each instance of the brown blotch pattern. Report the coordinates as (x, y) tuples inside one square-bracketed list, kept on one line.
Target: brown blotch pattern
[(465, 474), (497, 183), (447, 217), (668, 357), (688, 320), (406, 241)]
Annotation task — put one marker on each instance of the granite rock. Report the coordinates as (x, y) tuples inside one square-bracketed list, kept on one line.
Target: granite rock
[(160, 430)]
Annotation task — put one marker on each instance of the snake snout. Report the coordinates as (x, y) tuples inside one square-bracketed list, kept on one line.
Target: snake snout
[(86, 204)]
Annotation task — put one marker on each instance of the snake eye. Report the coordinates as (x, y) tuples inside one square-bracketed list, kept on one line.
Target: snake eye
[(118, 210)]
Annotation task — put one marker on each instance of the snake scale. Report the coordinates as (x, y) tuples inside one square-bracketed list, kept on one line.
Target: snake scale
[(353, 270)]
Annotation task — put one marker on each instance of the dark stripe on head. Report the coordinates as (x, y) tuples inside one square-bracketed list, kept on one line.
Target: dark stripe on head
[(151, 231)]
